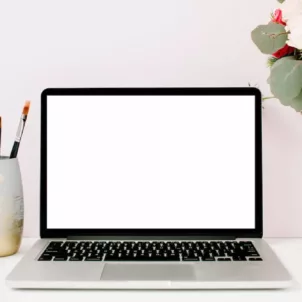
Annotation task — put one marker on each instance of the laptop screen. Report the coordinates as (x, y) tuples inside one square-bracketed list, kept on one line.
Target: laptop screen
[(140, 162)]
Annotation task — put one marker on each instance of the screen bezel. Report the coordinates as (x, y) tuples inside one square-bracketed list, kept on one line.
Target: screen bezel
[(256, 232)]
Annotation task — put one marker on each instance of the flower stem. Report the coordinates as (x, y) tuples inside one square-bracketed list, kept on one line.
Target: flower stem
[(268, 98)]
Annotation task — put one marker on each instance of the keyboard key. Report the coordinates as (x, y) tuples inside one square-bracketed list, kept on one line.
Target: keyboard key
[(220, 253), (252, 254), (207, 258), (45, 258), (164, 259), (108, 258), (78, 258), (255, 259), (94, 258), (47, 254), (186, 258), (55, 244), (52, 252), (60, 258)]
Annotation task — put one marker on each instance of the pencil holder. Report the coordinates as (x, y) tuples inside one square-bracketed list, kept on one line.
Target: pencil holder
[(11, 206)]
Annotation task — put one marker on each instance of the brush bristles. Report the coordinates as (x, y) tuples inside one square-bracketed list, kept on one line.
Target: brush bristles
[(26, 108), (0, 122)]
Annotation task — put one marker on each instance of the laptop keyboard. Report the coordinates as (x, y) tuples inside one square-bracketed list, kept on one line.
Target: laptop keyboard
[(150, 251)]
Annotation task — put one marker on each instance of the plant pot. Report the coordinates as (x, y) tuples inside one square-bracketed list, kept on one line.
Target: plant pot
[(11, 206)]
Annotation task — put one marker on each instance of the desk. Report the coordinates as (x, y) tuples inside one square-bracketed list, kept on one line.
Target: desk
[(289, 251)]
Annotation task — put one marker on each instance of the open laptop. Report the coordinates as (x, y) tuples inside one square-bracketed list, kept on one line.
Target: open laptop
[(151, 188)]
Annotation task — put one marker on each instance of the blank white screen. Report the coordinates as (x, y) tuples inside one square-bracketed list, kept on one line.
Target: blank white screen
[(150, 162)]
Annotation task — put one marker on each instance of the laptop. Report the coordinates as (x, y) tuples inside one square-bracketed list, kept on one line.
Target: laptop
[(150, 188)]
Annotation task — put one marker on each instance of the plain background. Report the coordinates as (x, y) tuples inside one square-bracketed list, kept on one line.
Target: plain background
[(144, 43), (152, 162)]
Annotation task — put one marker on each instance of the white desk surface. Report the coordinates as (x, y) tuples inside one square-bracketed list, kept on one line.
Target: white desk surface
[(289, 251)]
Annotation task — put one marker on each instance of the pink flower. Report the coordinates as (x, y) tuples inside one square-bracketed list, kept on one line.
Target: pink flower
[(277, 18)]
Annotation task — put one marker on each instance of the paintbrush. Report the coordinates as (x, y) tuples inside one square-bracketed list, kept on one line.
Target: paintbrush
[(20, 130)]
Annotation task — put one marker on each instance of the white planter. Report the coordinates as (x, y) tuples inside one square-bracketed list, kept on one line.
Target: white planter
[(11, 206)]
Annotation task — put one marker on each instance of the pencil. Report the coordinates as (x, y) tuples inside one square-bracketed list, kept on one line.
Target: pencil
[(20, 130), (0, 133)]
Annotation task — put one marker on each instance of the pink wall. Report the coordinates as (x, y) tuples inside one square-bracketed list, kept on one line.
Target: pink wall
[(145, 43), (282, 170)]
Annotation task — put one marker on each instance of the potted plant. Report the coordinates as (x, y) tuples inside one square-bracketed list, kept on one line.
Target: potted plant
[(281, 39)]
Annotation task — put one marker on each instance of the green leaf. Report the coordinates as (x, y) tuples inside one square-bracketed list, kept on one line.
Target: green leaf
[(269, 38), (286, 78), (295, 103), (271, 61), (280, 1)]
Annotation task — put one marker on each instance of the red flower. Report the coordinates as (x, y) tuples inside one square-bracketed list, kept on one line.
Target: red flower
[(277, 18), (286, 50)]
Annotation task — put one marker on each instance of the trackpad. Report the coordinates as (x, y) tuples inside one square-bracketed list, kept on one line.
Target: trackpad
[(140, 272)]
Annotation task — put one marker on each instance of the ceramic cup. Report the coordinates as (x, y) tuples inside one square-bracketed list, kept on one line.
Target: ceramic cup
[(11, 206)]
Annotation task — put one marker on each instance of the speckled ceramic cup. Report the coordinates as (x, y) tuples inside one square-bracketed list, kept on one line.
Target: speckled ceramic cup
[(11, 206)]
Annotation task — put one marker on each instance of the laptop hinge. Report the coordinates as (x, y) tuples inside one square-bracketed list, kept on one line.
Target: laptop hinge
[(81, 237)]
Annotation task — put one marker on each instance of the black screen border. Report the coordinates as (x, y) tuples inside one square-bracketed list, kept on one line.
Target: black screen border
[(256, 232)]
